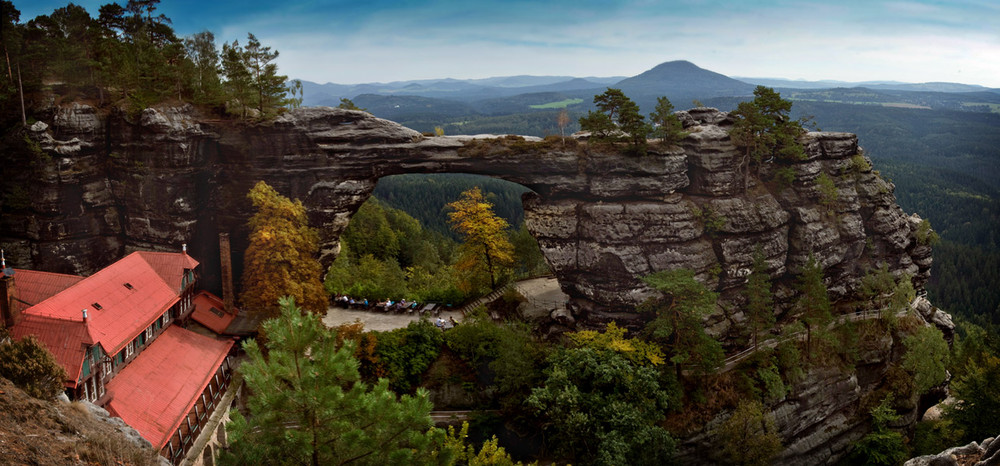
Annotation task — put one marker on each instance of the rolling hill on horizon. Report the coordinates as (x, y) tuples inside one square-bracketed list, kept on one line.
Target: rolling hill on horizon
[(679, 80)]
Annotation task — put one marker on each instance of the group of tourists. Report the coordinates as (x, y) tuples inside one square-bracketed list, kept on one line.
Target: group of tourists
[(401, 306)]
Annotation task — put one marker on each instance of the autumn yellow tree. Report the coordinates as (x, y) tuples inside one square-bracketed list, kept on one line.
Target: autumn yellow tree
[(281, 257), (486, 249)]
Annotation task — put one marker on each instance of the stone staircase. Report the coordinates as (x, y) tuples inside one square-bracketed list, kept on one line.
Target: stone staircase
[(497, 293)]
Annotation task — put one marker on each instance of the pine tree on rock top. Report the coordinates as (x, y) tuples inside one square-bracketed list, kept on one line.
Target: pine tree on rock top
[(281, 257)]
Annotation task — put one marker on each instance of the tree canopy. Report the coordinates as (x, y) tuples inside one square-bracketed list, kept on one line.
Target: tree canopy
[(666, 125), (814, 302), (308, 406), (281, 257), (486, 249), (749, 436), (617, 119), (764, 130), (678, 325), (598, 407), (130, 55)]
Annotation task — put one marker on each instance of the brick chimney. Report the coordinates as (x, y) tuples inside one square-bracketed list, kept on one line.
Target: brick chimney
[(226, 263), (10, 311)]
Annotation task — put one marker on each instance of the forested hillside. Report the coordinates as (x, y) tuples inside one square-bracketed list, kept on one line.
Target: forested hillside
[(425, 197)]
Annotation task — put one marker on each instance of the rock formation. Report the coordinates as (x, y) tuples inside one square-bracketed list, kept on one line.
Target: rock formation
[(82, 188), (986, 453), (98, 186)]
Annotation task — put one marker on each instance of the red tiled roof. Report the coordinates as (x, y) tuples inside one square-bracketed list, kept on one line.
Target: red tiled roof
[(155, 391), (207, 308), (169, 265), (131, 296), (34, 287), (67, 340)]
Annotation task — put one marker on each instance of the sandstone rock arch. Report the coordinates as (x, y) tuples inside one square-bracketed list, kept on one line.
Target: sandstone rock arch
[(602, 219)]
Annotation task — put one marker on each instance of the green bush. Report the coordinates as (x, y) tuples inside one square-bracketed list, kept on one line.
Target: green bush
[(32, 368), (882, 446), (925, 235), (406, 353)]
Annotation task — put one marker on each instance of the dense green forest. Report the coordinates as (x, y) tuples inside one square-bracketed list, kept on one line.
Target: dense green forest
[(386, 254), (130, 57), (424, 197)]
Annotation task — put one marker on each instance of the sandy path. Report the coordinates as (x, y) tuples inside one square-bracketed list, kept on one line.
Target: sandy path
[(543, 296)]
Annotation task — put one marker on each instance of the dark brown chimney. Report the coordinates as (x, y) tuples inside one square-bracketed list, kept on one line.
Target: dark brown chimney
[(10, 311), (226, 263)]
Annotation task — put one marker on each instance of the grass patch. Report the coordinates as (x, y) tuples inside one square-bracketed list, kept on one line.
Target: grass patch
[(560, 104)]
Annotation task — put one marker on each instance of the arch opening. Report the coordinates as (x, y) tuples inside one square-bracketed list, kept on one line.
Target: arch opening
[(399, 252)]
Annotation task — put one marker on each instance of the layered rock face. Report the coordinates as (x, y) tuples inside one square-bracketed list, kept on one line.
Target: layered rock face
[(83, 188), (102, 185)]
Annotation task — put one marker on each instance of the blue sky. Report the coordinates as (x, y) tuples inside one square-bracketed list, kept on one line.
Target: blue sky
[(381, 40)]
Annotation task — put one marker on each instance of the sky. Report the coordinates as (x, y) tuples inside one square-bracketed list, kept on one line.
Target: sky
[(360, 41)]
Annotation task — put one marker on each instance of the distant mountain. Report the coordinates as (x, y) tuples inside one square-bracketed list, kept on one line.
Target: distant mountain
[(465, 90), (882, 85), (412, 109), (681, 82)]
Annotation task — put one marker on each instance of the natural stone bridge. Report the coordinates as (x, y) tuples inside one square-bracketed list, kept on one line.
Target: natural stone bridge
[(603, 219)]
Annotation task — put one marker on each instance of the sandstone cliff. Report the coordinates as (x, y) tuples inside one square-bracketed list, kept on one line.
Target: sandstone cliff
[(82, 188), (95, 186)]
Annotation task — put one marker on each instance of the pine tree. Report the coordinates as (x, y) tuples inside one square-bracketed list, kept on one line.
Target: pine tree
[(206, 85), (679, 325), (268, 86), (308, 406), (764, 130), (30, 366), (749, 436), (281, 257), (814, 302), (238, 84), (926, 357), (667, 126)]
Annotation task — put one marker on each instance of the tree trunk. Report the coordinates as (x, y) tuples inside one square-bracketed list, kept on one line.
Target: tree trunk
[(10, 72), (20, 87), (489, 266)]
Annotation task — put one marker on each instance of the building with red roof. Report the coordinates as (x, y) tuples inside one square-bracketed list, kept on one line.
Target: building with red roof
[(175, 384), (210, 311), (113, 333)]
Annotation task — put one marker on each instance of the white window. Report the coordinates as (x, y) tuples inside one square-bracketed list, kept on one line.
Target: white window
[(149, 333), (165, 318), (107, 367), (130, 349), (93, 391)]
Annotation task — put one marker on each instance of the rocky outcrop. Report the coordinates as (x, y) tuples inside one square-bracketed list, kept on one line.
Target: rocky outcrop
[(100, 185), (986, 453), (82, 188)]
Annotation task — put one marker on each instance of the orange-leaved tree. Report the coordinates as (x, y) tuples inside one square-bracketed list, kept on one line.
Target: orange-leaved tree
[(281, 257), (486, 249)]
